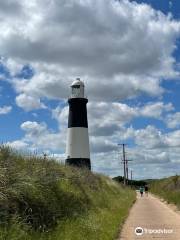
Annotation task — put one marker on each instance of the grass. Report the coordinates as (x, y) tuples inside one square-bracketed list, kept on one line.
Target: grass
[(168, 189), (41, 199)]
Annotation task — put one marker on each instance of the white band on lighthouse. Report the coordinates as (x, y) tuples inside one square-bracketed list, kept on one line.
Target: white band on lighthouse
[(80, 147)]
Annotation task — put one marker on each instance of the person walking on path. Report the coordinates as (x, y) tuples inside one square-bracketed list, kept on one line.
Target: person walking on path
[(146, 190), (141, 190)]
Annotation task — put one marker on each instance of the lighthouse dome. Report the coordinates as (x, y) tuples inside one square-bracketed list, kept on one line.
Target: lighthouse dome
[(77, 88), (77, 82)]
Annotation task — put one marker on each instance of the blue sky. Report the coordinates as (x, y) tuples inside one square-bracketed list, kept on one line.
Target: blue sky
[(128, 55), (164, 6)]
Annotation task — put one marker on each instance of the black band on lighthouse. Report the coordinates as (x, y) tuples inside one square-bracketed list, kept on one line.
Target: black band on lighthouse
[(79, 162), (77, 112)]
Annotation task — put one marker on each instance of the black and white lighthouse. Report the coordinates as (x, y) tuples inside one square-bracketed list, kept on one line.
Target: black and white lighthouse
[(77, 148)]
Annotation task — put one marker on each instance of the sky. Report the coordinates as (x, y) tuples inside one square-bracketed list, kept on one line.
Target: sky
[(128, 55)]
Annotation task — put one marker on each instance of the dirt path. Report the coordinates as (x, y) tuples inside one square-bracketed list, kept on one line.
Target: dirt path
[(151, 214)]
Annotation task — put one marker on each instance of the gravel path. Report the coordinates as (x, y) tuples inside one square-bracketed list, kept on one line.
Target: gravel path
[(156, 218)]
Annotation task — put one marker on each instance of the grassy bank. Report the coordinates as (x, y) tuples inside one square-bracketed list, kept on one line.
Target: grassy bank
[(41, 199), (168, 188)]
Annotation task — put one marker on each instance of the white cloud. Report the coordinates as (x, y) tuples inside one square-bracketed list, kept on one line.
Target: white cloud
[(150, 137), (144, 164), (61, 115), (29, 103), (34, 129), (5, 110), (12, 65), (124, 46), (173, 120), (18, 144), (153, 138), (40, 137), (173, 138), (106, 118), (107, 125), (156, 109)]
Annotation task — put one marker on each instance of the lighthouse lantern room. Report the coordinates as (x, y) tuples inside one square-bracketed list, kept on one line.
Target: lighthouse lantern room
[(77, 89)]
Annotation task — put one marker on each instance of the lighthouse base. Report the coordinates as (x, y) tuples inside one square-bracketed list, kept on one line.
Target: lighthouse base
[(79, 162)]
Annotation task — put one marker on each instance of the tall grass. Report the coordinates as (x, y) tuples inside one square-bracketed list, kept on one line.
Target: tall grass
[(167, 188), (41, 199)]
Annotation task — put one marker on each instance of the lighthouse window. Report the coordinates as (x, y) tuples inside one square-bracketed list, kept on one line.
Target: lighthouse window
[(76, 90)]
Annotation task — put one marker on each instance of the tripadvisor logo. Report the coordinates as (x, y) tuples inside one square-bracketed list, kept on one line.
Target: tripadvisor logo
[(139, 231)]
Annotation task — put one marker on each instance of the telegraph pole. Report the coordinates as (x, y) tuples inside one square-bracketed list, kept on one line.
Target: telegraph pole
[(124, 161), (127, 170), (127, 177), (131, 179)]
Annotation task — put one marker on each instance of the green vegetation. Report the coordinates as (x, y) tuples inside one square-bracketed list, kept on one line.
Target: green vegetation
[(41, 199), (168, 189), (134, 183)]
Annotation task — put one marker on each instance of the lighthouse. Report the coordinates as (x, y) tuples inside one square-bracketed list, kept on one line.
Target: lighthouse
[(77, 148)]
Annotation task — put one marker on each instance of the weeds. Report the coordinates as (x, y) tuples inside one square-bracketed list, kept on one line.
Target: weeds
[(43, 199), (168, 188)]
